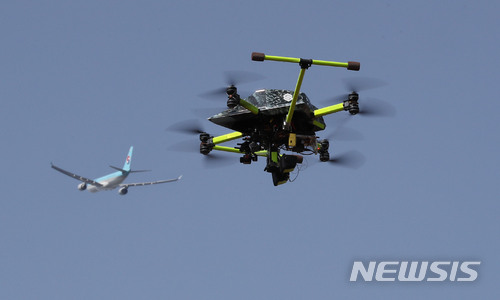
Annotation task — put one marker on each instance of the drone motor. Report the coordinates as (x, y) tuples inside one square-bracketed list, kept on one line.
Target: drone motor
[(351, 104)]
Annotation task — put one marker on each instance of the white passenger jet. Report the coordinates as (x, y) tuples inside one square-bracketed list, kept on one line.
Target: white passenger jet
[(113, 180)]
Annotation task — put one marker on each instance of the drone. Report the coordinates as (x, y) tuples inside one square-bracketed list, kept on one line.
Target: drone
[(273, 121)]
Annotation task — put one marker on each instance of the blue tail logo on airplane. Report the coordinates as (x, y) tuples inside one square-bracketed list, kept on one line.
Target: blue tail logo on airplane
[(126, 166)]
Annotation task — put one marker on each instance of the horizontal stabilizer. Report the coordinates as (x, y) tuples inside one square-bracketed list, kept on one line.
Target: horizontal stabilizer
[(139, 171), (118, 169), (125, 171)]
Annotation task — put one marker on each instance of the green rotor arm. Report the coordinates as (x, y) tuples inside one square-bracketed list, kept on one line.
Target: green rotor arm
[(328, 110), (227, 137), (236, 150), (252, 108)]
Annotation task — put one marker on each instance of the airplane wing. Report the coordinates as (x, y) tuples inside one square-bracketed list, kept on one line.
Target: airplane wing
[(150, 183), (78, 177)]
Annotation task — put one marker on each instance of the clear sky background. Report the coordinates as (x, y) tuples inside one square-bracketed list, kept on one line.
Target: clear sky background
[(82, 81)]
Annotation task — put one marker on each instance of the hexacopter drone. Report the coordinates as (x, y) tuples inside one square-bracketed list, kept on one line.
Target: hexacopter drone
[(272, 120)]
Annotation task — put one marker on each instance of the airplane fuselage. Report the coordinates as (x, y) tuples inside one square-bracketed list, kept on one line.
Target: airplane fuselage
[(109, 182)]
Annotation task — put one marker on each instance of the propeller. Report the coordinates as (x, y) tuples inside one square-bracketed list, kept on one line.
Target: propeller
[(240, 77), (232, 79), (192, 126), (368, 107), (358, 84), (342, 133), (211, 160), (372, 107), (352, 159), (215, 160)]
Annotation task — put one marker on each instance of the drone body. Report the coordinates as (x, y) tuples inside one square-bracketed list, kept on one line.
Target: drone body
[(271, 121), (273, 105)]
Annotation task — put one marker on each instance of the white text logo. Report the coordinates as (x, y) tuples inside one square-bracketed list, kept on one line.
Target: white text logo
[(415, 271)]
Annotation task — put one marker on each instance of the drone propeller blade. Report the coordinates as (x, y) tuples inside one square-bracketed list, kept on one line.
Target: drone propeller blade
[(358, 84), (187, 127), (214, 94), (241, 77), (185, 146), (368, 107), (220, 93), (335, 99), (342, 133), (372, 107), (352, 159), (211, 160), (232, 78), (215, 160)]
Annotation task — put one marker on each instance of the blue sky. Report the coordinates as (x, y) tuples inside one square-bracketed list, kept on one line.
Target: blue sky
[(82, 82)]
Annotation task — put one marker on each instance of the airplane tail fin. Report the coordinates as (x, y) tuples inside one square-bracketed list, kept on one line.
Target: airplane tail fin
[(126, 166), (128, 160)]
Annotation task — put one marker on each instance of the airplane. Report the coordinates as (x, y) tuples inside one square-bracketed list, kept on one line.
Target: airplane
[(113, 180)]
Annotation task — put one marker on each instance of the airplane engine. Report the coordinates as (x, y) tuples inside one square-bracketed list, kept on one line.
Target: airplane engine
[(82, 186), (123, 191)]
